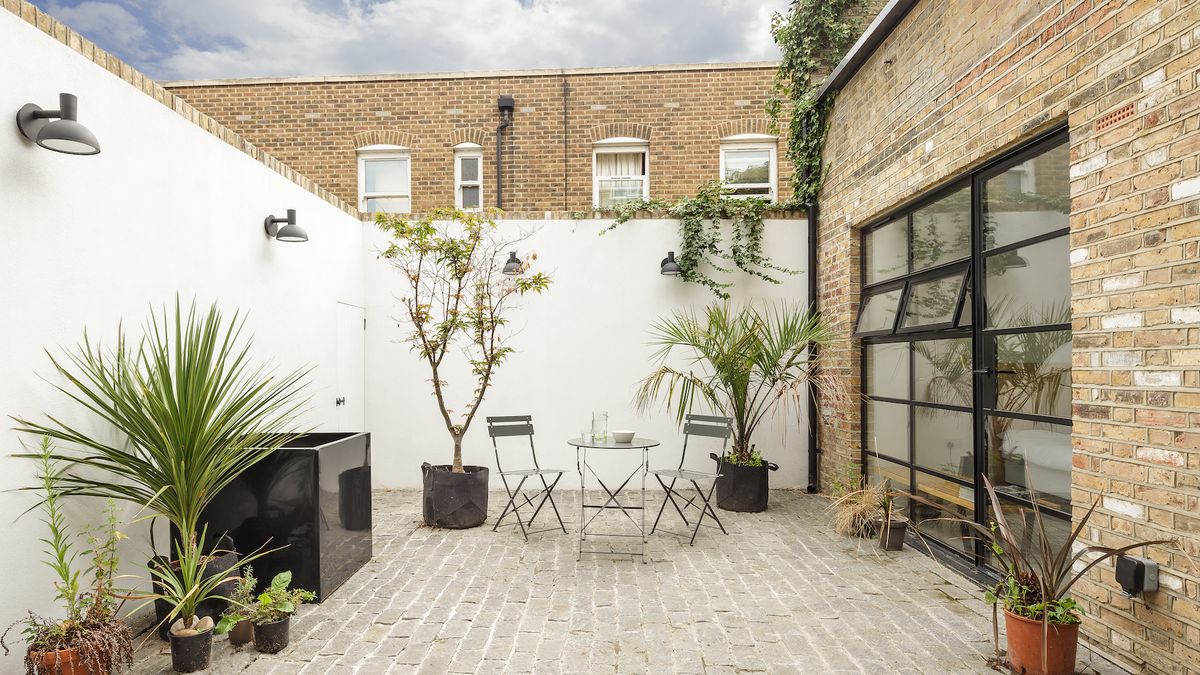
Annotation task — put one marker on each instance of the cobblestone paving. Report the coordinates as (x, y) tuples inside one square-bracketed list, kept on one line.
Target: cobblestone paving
[(782, 593)]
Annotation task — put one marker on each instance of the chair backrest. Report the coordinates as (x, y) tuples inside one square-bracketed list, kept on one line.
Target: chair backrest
[(709, 426), (511, 425)]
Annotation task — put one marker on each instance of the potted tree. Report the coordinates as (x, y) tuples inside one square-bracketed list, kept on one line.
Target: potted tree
[(458, 290), (744, 362), (236, 619), (194, 410), (272, 613), (90, 640)]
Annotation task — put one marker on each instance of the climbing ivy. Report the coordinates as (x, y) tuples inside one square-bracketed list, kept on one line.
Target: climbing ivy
[(703, 244), (812, 37)]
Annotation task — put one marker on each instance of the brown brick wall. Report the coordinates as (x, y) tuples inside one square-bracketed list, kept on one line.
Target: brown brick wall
[(961, 81), (316, 126)]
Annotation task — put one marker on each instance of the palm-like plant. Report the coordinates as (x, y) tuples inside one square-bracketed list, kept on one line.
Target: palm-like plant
[(741, 360), (193, 409)]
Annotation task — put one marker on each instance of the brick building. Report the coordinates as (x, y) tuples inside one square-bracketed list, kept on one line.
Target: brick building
[(577, 138), (1014, 190)]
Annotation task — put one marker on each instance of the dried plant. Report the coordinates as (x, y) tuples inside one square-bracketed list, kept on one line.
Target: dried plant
[(855, 511)]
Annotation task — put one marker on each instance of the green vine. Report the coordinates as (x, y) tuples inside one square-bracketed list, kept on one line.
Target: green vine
[(812, 37), (700, 227)]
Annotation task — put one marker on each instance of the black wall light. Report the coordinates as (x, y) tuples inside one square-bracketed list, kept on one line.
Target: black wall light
[(290, 230), (513, 266), (63, 134), (668, 265)]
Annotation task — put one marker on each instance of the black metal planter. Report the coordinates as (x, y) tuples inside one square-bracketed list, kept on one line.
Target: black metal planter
[(271, 638), (743, 488), (191, 653), (891, 534), (454, 500)]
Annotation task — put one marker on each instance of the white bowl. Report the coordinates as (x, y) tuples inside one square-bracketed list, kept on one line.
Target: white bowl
[(622, 436)]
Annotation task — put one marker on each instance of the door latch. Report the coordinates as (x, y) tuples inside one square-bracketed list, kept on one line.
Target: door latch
[(341, 400), (992, 372)]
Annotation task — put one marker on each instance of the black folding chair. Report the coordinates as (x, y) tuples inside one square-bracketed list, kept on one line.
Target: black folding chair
[(694, 425), (522, 425)]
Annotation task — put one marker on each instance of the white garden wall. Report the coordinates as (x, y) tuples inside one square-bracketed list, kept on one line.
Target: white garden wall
[(581, 347), (89, 241)]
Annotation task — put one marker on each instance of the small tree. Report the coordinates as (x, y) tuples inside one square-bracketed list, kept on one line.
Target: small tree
[(457, 295)]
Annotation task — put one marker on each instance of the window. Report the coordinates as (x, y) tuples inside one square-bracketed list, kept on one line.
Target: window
[(468, 176), (748, 165), (384, 173), (620, 171)]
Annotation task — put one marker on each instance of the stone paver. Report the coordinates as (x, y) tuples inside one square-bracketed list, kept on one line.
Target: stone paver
[(782, 593)]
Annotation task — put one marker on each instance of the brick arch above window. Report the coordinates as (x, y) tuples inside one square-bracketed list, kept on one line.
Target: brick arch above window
[(619, 130), (746, 125), (468, 135), (383, 137)]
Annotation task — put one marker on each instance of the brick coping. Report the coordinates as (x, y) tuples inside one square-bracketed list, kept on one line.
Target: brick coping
[(581, 216), (465, 75), (74, 40)]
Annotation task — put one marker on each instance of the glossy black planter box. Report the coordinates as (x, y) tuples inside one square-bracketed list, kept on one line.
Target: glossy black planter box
[(314, 495)]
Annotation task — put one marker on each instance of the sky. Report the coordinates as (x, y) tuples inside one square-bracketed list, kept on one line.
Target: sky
[(205, 39)]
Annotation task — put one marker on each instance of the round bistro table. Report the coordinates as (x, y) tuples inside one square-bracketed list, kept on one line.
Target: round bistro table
[(608, 447)]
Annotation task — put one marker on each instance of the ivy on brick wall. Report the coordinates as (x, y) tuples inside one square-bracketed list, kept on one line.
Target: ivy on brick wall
[(812, 36)]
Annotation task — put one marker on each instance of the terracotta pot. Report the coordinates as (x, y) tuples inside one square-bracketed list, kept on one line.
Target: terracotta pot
[(1025, 646), (61, 662), (242, 633)]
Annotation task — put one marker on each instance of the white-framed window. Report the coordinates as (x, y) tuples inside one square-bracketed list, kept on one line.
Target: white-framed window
[(468, 176), (384, 179), (620, 171), (748, 165)]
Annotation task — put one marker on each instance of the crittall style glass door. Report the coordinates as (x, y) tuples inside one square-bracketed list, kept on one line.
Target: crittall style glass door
[(966, 337)]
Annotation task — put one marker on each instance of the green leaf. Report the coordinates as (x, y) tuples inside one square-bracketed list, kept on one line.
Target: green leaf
[(282, 580)]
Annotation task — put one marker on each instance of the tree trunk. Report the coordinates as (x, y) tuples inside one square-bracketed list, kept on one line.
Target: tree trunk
[(458, 466)]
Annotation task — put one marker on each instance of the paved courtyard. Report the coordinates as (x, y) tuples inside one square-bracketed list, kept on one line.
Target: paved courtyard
[(781, 594)]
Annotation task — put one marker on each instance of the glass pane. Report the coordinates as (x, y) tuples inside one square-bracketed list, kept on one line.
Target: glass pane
[(388, 204), (932, 302), (1023, 523), (887, 370), (620, 164), (886, 254), (879, 311), (747, 166), (761, 191), (951, 500), (879, 470), (1033, 373), (385, 175), (887, 429), (1029, 286), (1024, 455), (943, 441), (613, 192), (468, 169), (1031, 198), (943, 371), (470, 196), (964, 314), (941, 231)]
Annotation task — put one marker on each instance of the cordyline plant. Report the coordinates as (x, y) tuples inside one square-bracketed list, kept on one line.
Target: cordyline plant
[(742, 361), (456, 297)]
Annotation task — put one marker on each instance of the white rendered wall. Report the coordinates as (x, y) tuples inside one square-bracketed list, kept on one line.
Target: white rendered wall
[(581, 347), (88, 241)]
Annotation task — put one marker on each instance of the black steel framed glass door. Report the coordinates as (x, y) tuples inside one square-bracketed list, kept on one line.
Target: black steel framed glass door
[(965, 328)]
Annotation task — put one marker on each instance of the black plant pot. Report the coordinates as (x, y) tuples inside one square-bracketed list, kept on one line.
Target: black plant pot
[(271, 638), (891, 534), (454, 500), (743, 488), (219, 566), (191, 653)]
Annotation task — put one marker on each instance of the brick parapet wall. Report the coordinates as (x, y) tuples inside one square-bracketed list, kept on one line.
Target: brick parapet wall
[(316, 125), (958, 83), (69, 37)]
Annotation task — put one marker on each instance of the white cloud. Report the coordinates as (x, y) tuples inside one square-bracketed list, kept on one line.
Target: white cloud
[(106, 23)]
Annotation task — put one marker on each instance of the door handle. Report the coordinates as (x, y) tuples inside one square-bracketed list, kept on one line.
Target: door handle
[(341, 400), (992, 372)]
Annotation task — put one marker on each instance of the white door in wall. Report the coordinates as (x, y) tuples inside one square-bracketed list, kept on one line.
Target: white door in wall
[(351, 349)]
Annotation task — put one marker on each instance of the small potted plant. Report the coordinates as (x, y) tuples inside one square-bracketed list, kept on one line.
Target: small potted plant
[(859, 512), (272, 613), (892, 525), (236, 619), (90, 640)]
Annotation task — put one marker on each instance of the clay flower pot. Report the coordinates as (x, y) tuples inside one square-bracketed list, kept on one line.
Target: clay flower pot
[(242, 633), (63, 661), (1025, 646)]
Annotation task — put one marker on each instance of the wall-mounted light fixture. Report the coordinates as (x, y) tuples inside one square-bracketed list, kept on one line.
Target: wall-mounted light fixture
[(513, 266), (290, 230), (63, 134), (668, 265)]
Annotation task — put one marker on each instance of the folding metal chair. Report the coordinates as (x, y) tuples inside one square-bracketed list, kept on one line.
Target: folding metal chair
[(522, 425), (694, 425)]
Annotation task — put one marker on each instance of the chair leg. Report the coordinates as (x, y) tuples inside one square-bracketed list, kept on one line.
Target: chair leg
[(543, 493), (550, 496), (672, 493), (515, 511), (504, 513), (705, 509), (666, 495)]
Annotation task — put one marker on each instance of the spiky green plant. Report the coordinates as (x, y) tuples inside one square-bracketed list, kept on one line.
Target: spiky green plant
[(742, 361), (193, 409)]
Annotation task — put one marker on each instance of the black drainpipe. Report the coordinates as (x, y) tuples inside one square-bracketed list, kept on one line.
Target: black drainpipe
[(814, 436), (506, 104)]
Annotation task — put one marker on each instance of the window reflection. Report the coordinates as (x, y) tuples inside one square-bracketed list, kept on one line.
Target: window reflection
[(932, 302), (944, 441), (886, 251), (887, 370), (888, 424), (879, 311), (949, 500), (941, 231), (1026, 457), (943, 371), (1029, 199), (1037, 292), (1033, 373)]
